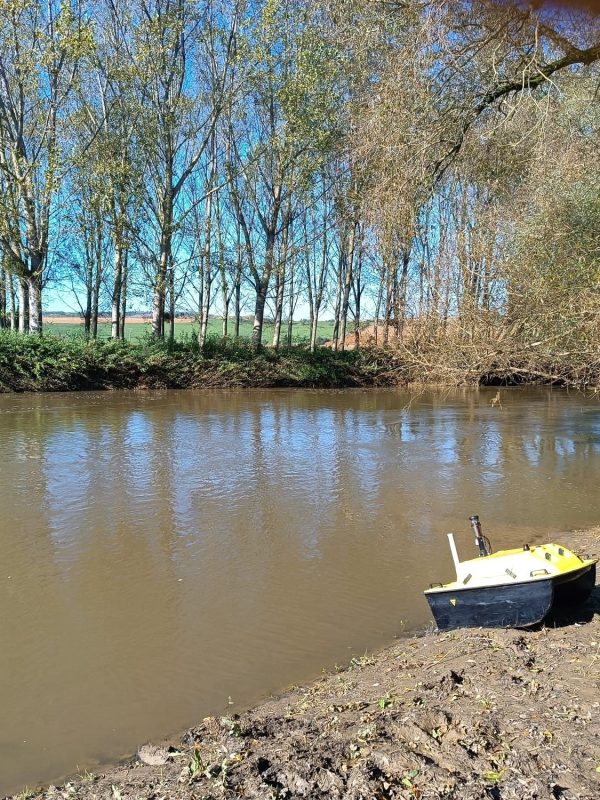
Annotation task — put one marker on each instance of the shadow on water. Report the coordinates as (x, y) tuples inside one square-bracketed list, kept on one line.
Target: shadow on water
[(580, 615)]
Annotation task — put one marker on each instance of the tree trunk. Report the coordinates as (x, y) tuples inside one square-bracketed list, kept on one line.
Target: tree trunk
[(378, 312), (3, 317), (12, 297), (401, 303), (238, 307), (97, 283), (279, 297), (319, 287), (262, 288), (171, 302), (309, 278), (281, 272), (205, 306), (160, 283), (259, 312), (389, 302), (313, 332), (115, 315), (225, 316), (338, 301), (347, 286), (357, 288), (200, 299), (35, 302), (96, 302), (36, 250), (238, 287), (290, 321), (124, 293), (207, 273), (279, 286), (225, 292), (89, 282), (23, 306), (158, 300)]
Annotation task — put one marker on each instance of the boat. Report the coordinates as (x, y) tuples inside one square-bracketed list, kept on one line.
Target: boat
[(510, 588)]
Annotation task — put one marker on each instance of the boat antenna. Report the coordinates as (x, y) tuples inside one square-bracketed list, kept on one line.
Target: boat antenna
[(481, 541)]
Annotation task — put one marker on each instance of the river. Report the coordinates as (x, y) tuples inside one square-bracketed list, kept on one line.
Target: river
[(169, 555)]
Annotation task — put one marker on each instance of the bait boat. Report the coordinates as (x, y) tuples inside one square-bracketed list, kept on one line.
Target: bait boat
[(510, 588)]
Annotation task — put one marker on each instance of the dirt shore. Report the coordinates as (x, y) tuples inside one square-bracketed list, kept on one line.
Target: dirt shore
[(466, 714)]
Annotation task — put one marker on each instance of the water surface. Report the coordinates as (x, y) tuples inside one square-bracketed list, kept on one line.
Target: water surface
[(165, 554)]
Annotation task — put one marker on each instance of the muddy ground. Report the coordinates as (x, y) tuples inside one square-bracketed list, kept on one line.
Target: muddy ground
[(466, 714)]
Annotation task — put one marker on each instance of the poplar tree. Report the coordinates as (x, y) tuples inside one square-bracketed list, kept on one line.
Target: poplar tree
[(277, 142), (40, 47)]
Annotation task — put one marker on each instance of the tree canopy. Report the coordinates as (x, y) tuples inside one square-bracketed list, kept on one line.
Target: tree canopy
[(425, 166)]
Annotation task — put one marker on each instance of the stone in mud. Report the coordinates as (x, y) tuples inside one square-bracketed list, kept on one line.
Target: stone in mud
[(153, 755), (330, 784)]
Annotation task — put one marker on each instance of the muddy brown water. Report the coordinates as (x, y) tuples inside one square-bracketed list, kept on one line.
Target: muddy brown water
[(169, 555)]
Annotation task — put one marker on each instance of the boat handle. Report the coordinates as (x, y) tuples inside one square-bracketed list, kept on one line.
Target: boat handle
[(537, 572), (435, 585)]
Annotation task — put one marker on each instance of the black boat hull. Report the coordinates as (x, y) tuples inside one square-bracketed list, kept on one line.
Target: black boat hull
[(575, 588), (513, 605)]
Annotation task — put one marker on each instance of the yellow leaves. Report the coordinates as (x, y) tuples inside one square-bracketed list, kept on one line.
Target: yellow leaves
[(12, 8), (74, 38), (162, 33), (292, 63), (269, 13), (50, 39)]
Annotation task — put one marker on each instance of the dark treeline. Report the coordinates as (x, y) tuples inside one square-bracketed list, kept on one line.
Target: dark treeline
[(429, 166)]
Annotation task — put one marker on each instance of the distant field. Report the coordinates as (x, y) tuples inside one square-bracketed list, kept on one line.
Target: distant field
[(137, 329)]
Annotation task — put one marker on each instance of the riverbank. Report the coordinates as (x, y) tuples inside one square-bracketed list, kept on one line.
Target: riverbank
[(59, 364), (465, 714), (53, 364)]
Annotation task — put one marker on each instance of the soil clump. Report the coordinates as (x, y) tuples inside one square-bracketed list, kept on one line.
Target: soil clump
[(464, 714)]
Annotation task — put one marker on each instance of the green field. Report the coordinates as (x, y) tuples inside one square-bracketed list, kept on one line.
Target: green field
[(138, 330)]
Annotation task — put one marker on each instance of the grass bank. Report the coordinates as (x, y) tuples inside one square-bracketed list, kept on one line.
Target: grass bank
[(48, 363), (465, 715), (65, 363)]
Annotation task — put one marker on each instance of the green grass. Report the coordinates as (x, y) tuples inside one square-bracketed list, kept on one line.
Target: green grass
[(136, 331), (62, 363)]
